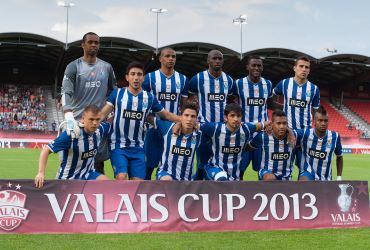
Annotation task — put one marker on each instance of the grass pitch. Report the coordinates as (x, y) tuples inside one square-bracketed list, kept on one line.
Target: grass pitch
[(23, 164)]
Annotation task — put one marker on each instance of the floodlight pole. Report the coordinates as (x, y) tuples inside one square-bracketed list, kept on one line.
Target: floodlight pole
[(67, 6), (157, 11), (242, 19)]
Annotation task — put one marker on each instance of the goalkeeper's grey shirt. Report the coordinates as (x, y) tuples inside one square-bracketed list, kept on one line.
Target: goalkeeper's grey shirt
[(86, 84)]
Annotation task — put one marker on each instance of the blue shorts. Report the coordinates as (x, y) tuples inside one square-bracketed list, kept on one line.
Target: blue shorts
[(153, 147), (130, 160), (310, 176), (93, 175), (263, 172), (215, 173)]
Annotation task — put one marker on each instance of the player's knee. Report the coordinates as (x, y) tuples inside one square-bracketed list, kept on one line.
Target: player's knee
[(102, 178), (269, 177), (122, 176), (303, 178), (166, 178)]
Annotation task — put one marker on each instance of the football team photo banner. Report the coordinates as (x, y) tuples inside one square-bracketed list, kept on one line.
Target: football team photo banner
[(159, 206)]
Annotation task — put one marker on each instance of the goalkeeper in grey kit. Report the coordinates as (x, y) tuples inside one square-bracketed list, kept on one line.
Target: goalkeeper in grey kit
[(87, 80)]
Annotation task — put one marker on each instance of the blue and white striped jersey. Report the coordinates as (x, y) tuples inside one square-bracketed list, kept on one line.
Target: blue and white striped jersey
[(298, 102), (253, 98), (277, 155), (178, 155), (212, 93), (227, 147), (130, 112), (318, 152), (168, 90), (77, 157)]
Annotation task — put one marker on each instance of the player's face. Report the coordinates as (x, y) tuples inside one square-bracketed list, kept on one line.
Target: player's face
[(279, 126), (188, 118), (302, 69), (91, 121), (135, 78), (168, 58), (215, 61), (233, 119), (321, 122), (91, 45), (255, 67)]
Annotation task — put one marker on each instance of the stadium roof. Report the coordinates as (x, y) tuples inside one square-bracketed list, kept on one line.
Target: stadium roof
[(31, 58)]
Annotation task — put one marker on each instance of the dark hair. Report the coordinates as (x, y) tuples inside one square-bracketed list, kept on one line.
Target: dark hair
[(321, 110), (190, 105), (135, 64), (233, 107), (279, 113), (92, 108), (253, 57), (301, 58), (166, 48), (87, 34)]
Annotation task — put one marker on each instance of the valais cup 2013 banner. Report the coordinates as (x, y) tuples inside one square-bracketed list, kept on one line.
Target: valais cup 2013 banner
[(154, 206)]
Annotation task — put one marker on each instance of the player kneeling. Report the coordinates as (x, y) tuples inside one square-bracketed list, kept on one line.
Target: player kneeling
[(276, 162), (178, 154), (77, 154), (228, 141)]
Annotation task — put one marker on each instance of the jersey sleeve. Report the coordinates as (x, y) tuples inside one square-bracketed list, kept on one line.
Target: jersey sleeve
[(193, 85), (231, 84), (269, 88), (234, 89), (62, 142), (156, 106), (316, 99), (299, 133), (338, 147), (68, 85), (146, 83), (185, 89), (278, 90), (252, 127), (256, 141), (208, 128), (163, 126), (112, 97), (104, 129)]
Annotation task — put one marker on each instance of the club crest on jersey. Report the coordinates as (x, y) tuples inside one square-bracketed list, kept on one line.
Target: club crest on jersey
[(299, 94), (134, 104), (194, 139), (145, 103), (168, 86), (328, 143), (178, 85), (93, 74), (308, 93), (184, 140), (12, 208), (217, 86), (226, 85)]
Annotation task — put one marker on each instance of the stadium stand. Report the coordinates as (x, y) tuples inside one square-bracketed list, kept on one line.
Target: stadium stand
[(361, 108), (337, 121), (22, 107)]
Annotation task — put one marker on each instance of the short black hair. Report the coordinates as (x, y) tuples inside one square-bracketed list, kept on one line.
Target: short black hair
[(166, 48), (321, 110), (92, 108), (87, 34), (135, 64), (190, 105), (253, 57), (279, 113), (302, 58), (233, 107)]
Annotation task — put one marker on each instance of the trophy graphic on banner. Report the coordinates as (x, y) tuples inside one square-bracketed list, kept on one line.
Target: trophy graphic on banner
[(345, 199)]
